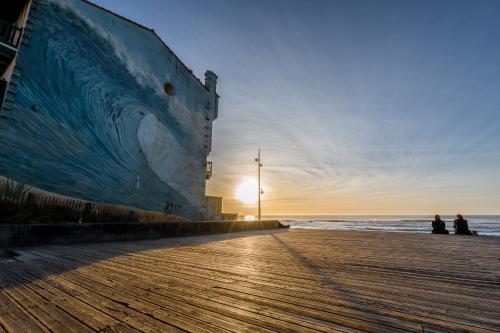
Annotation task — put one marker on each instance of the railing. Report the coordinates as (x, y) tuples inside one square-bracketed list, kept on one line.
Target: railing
[(3, 89), (10, 34)]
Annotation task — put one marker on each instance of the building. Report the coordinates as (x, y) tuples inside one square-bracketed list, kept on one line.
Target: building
[(96, 107), (214, 210)]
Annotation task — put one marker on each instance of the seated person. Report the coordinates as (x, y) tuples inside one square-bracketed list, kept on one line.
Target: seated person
[(438, 226), (462, 226)]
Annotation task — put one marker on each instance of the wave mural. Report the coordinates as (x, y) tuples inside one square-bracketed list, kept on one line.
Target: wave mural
[(91, 118)]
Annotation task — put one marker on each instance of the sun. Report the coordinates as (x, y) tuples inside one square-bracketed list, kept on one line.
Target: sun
[(246, 192)]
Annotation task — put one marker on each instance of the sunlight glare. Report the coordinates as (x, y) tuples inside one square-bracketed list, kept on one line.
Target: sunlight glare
[(246, 192)]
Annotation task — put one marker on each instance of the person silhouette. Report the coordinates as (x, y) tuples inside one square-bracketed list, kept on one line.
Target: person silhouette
[(438, 226), (461, 226)]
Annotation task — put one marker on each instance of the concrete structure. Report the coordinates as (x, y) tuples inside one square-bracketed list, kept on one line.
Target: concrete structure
[(14, 236), (97, 107), (214, 210), (229, 217)]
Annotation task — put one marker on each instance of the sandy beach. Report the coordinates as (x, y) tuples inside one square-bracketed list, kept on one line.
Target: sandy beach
[(266, 281)]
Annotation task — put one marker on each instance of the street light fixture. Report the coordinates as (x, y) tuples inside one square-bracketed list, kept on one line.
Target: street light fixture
[(259, 189)]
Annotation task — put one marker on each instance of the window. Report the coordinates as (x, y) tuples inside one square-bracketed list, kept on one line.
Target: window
[(169, 89)]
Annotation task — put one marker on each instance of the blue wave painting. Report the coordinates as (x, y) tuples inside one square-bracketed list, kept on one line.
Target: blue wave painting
[(91, 118)]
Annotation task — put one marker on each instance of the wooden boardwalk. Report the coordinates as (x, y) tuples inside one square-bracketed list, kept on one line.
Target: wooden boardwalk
[(272, 281)]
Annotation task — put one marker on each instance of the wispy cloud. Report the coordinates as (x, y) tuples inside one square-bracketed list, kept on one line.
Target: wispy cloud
[(359, 106)]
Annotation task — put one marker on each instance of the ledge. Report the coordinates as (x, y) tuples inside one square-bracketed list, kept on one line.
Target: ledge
[(72, 233)]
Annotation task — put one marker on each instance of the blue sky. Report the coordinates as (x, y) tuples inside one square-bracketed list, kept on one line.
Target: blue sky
[(360, 107)]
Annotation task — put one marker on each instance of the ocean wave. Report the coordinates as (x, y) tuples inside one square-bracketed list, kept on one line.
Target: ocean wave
[(359, 221), (426, 220), (124, 45), (490, 227), (135, 66), (89, 134)]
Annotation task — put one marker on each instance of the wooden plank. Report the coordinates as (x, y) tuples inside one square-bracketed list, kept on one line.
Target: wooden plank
[(229, 321), (367, 314), (168, 300), (326, 268), (119, 313), (294, 281), (15, 319), (302, 298), (88, 315), (347, 320), (49, 315)]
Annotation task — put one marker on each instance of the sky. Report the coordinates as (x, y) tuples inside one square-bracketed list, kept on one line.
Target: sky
[(359, 107)]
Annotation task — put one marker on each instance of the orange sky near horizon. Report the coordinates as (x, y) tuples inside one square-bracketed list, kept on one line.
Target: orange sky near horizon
[(289, 193)]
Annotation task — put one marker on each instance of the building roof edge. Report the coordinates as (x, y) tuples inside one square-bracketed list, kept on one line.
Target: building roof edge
[(150, 30)]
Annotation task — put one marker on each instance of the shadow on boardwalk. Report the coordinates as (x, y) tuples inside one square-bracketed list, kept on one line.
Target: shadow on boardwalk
[(28, 260), (352, 299)]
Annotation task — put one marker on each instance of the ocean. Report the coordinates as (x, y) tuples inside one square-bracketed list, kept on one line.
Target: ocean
[(483, 224)]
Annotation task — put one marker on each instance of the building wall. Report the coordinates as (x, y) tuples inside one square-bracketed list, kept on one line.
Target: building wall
[(90, 117), (214, 208)]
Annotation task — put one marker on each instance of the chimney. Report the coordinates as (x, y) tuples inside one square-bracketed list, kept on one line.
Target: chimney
[(211, 81), (211, 85)]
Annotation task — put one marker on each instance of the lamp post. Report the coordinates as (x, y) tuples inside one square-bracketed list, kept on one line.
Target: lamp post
[(260, 191)]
